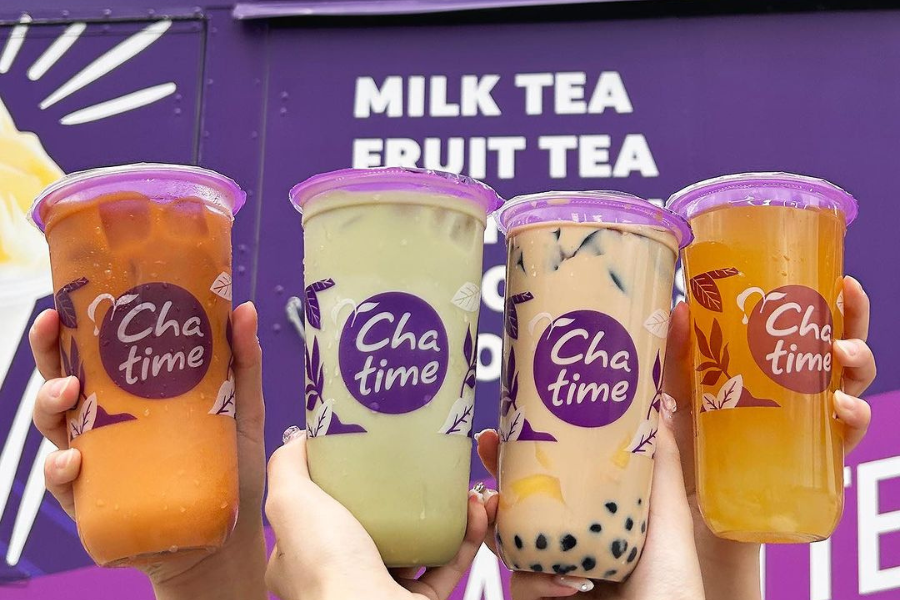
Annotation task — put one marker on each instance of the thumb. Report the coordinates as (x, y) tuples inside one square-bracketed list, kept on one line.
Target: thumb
[(677, 395), (250, 411)]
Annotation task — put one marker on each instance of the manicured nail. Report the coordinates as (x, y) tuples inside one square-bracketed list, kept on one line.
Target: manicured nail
[(847, 346), (476, 492), (669, 403), (57, 387), (576, 583), (291, 433), (480, 433), (488, 494), (62, 459)]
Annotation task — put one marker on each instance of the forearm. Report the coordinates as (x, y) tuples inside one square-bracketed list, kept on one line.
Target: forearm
[(235, 573), (730, 569)]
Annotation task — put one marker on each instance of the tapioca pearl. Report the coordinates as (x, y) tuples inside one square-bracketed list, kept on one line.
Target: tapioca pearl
[(596, 527), (588, 563), (609, 573), (567, 542), (640, 501), (537, 568), (643, 526), (612, 507), (618, 547), (541, 542), (518, 542), (563, 569), (632, 555), (629, 523)]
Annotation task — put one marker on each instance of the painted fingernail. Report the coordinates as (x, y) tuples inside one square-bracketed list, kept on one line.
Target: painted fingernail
[(576, 583), (669, 403), (479, 434), (291, 433), (62, 459), (847, 346), (57, 387), (476, 492)]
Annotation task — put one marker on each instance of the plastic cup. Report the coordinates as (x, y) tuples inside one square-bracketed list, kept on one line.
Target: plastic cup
[(588, 297), (141, 263), (393, 272), (765, 275)]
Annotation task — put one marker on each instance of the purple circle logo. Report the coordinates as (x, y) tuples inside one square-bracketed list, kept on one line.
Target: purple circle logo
[(156, 341), (393, 353), (586, 368)]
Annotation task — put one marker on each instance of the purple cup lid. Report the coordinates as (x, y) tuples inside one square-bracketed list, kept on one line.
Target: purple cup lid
[(763, 189), (160, 182), (600, 206), (396, 179)]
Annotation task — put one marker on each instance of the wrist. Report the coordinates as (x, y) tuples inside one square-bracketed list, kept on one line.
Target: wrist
[(236, 572), (730, 569)]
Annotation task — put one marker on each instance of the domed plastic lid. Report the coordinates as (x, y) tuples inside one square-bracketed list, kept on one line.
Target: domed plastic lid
[(161, 183), (600, 206), (763, 189), (396, 179)]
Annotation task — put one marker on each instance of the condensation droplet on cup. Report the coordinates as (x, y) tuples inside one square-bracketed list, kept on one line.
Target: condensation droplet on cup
[(183, 510), (146, 412), (101, 503), (223, 505), (173, 549)]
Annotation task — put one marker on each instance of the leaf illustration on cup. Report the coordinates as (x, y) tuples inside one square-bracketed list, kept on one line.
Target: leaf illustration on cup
[(560, 322), (73, 366), (644, 440), (83, 420), (221, 286), (311, 306), (728, 397), (840, 302), (657, 382), (511, 426), (704, 288), (115, 302), (509, 388), (315, 375), (459, 421), (471, 355), (318, 425), (512, 319), (658, 323), (64, 305), (224, 404), (467, 297)]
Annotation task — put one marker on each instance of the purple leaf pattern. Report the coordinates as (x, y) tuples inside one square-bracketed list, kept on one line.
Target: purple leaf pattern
[(728, 396), (315, 375), (83, 419), (471, 355), (509, 387), (103, 418), (512, 319), (644, 440), (72, 365), (322, 420), (311, 306), (64, 305), (529, 434), (511, 426)]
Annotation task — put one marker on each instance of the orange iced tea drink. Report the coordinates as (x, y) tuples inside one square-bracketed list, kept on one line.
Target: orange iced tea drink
[(141, 261), (765, 280)]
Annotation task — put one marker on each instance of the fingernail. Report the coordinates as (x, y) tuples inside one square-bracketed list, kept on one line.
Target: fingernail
[(63, 459), (847, 346), (669, 403), (291, 433), (479, 434), (841, 399), (576, 583), (57, 387), (488, 494)]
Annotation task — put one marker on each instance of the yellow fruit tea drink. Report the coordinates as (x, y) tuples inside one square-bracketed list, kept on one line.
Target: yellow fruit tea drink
[(765, 280), (588, 296), (141, 262), (393, 272)]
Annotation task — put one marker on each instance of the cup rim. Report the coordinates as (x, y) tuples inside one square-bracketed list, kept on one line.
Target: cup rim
[(593, 206), (153, 178), (774, 188), (398, 179)]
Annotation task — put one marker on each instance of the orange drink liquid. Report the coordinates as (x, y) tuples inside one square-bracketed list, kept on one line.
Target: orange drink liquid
[(765, 280), (141, 262)]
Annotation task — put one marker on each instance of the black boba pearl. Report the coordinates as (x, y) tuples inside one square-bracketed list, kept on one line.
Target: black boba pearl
[(618, 547), (643, 526), (596, 528), (611, 507), (640, 501), (609, 573), (541, 542), (588, 563), (563, 569), (537, 568), (632, 555), (567, 542), (629, 523), (518, 542)]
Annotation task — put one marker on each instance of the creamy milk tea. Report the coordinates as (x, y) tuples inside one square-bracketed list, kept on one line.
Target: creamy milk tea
[(393, 272), (588, 295)]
